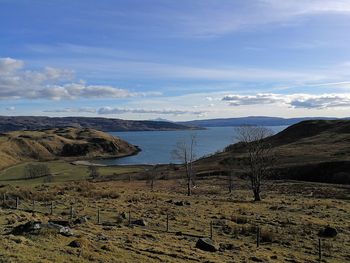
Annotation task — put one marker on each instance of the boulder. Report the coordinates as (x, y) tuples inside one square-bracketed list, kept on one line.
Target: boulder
[(139, 222), (75, 243), (206, 244), (31, 227), (328, 231), (63, 230), (81, 220)]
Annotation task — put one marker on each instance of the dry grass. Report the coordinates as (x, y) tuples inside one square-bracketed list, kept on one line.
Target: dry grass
[(289, 224)]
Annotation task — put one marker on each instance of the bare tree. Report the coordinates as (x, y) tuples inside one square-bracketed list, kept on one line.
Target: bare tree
[(36, 170), (152, 176), (93, 171), (260, 157), (184, 152)]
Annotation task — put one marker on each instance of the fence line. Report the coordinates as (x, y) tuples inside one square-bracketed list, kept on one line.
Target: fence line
[(103, 217)]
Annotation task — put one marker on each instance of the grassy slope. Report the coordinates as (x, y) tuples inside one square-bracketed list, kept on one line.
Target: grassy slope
[(22, 146), (302, 143), (289, 214)]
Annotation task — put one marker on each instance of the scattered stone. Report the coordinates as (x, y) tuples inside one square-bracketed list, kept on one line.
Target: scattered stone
[(182, 203), (224, 246), (328, 231), (106, 248), (60, 222), (255, 259), (63, 230), (206, 244), (178, 233), (81, 220), (139, 222), (75, 243), (31, 227), (123, 215), (273, 257)]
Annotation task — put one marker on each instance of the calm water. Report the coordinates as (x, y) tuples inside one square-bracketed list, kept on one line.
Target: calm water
[(157, 145)]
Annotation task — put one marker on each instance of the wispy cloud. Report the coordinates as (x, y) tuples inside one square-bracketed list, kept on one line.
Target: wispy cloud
[(306, 101), (111, 110)]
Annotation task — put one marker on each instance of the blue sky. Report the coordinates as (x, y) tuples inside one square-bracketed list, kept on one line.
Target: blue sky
[(178, 60)]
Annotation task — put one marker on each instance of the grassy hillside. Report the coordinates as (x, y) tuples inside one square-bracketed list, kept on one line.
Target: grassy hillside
[(67, 143), (309, 150)]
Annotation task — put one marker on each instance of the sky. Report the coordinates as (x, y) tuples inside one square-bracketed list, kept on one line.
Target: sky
[(175, 59)]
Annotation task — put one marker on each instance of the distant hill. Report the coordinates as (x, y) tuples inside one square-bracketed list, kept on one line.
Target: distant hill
[(104, 124), (315, 150), (21, 146), (252, 120)]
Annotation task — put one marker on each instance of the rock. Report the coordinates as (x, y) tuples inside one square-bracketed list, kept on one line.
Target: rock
[(179, 203), (139, 222), (60, 222), (75, 243), (81, 220), (206, 244), (63, 230), (123, 215), (31, 227), (328, 231), (255, 259), (224, 246)]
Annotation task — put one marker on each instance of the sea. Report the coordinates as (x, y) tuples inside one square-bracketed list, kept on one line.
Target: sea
[(157, 146)]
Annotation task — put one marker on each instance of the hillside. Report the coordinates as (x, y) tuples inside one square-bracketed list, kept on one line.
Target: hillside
[(14, 123), (251, 120), (316, 150), (20, 146)]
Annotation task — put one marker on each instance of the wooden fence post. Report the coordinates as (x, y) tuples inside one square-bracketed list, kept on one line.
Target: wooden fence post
[(98, 216), (71, 212), (167, 222), (33, 204), (319, 250), (51, 208), (258, 236), (3, 198), (17, 202), (211, 229), (129, 217)]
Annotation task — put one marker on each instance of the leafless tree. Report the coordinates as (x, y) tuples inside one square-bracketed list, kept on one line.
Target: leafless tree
[(184, 152), (152, 176), (260, 158), (93, 171)]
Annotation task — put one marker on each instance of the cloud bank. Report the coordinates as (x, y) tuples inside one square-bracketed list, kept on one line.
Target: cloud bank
[(50, 83), (306, 101)]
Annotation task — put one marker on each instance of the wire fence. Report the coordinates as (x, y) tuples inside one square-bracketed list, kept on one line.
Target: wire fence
[(166, 221)]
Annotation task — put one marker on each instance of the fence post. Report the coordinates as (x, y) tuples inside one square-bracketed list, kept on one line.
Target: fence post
[(71, 212), (3, 198), (319, 250), (17, 202), (167, 222), (257, 236), (211, 229), (129, 217), (33, 203), (51, 208), (98, 216)]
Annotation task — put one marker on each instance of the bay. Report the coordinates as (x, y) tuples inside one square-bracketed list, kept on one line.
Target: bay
[(157, 146)]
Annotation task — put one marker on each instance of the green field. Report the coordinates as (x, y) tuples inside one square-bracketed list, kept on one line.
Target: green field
[(62, 172)]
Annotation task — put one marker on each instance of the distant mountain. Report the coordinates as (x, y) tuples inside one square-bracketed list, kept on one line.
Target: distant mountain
[(251, 120), (14, 123)]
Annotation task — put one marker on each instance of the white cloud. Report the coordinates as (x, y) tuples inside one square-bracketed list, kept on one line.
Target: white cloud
[(305, 101), (111, 110), (50, 83), (72, 110)]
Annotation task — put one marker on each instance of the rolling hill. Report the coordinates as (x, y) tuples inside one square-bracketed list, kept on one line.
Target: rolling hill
[(317, 150), (14, 123), (63, 143)]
